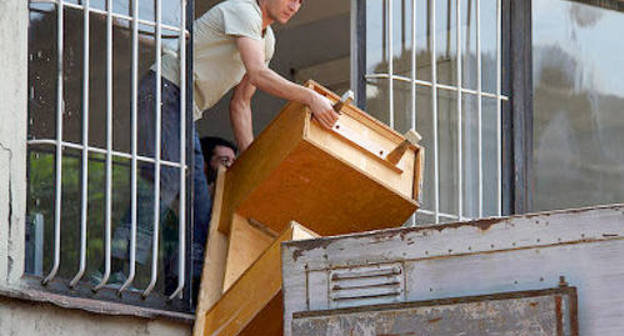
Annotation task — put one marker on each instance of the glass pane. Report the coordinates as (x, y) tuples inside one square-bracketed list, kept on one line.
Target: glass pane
[(423, 42), (578, 75), (488, 45), (402, 106), (422, 219), (447, 144), (402, 37), (376, 37), (40, 212), (424, 127), (469, 44), (446, 42), (42, 62), (490, 150), (377, 102), (470, 155)]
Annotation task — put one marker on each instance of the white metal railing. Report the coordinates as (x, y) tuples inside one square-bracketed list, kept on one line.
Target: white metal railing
[(109, 152), (460, 92)]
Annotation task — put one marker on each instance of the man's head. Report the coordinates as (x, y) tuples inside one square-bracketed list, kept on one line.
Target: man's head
[(216, 151), (280, 10)]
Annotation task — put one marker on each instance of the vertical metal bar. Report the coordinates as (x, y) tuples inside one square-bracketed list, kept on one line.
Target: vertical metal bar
[(134, 112), (479, 109), (499, 126), (390, 30), (85, 148), (460, 157), (413, 84), (155, 234), (414, 65), (182, 211), (360, 93), (109, 145), (353, 75), (434, 102), (60, 106)]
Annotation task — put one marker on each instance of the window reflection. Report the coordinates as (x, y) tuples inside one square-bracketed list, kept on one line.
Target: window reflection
[(578, 74), (419, 101)]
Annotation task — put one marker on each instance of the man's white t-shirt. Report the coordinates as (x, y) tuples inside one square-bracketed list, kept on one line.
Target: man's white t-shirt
[(217, 64)]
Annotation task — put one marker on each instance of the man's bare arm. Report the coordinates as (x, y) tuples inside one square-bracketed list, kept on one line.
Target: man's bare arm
[(240, 113), (252, 54)]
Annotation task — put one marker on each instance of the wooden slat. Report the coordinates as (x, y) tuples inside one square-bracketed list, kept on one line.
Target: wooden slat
[(214, 260), (358, 114), (249, 303), (246, 244), (419, 169)]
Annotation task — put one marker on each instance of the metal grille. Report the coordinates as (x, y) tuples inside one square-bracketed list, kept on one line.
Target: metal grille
[(388, 18), (136, 27), (366, 284)]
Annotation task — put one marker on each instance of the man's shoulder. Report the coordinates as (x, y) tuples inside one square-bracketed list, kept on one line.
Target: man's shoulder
[(241, 6), (243, 10)]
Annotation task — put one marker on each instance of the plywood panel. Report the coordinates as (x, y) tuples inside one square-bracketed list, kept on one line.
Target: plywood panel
[(251, 296), (214, 260), (261, 158), (326, 194), (372, 164), (246, 244)]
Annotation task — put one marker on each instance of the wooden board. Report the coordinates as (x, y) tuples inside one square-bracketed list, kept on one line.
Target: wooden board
[(419, 170), (261, 158), (398, 178), (214, 260), (249, 303), (246, 243), (327, 194)]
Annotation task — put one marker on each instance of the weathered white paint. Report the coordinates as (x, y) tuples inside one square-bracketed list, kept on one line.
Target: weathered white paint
[(33, 319), (13, 107), (481, 257)]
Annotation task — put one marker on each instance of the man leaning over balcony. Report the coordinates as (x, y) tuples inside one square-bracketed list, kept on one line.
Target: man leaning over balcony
[(233, 45)]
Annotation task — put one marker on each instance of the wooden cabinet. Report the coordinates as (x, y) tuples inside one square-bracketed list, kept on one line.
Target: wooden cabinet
[(330, 181)]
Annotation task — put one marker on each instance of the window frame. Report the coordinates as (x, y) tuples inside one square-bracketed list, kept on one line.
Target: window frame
[(156, 304)]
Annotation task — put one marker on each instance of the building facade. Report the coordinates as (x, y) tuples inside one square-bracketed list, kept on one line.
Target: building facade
[(519, 104)]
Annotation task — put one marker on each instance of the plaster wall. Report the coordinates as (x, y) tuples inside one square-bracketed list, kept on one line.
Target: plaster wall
[(29, 318), (13, 127)]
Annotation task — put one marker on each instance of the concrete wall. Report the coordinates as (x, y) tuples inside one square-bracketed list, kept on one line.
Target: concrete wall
[(13, 107), (29, 318)]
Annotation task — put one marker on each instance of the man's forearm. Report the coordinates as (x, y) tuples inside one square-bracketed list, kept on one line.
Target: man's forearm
[(274, 84), (240, 117)]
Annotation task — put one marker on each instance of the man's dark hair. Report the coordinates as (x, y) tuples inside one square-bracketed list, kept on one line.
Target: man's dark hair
[(209, 143)]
